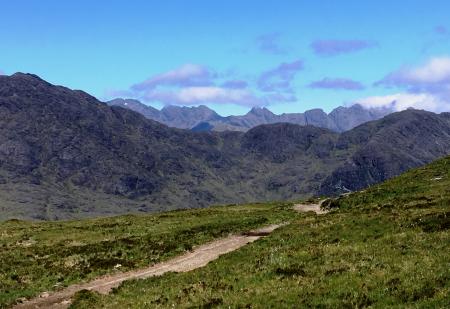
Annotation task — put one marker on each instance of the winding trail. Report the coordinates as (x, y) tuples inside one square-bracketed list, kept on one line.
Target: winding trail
[(199, 257)]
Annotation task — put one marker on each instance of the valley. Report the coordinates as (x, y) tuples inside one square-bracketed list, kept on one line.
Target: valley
[(81, 158)]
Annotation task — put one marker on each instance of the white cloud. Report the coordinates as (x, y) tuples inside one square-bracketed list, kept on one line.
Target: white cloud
[(185, 75), (427, 86), (193, 84), (432, 76), (201, 95), (402, 101), (436, 70)]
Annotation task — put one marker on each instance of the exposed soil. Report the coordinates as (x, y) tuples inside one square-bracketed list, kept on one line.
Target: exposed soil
[(310, 207), (199, 257)]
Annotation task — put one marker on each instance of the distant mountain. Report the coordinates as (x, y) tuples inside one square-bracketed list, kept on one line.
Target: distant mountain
[(173, 116), (64, 154), (202, 118), (146, 110)]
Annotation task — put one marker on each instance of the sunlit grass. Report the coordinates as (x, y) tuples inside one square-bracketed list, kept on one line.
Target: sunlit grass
[(42, 256), (385, 247)]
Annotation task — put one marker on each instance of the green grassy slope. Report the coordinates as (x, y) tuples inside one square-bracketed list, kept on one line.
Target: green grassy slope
[(385, 247), (43, 256)]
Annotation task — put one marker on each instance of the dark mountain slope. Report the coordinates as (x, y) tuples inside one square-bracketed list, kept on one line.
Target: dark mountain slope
[(389, 146), (62, 151), (54, 135), (63, 154), (281, 142), (57, 134)]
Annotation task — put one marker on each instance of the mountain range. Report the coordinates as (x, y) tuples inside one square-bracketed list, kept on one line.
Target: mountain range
[(64, 154), (202, 118)]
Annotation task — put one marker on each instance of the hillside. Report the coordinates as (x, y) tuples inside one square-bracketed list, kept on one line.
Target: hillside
[(64, 154), (385, 151), (202, 118), (48, 256), (384, 247)]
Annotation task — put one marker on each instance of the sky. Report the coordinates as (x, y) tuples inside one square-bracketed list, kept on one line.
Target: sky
[(289, 56)]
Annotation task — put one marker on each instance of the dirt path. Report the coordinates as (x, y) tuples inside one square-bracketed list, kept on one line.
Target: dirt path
[(199, 257), (311, 207)]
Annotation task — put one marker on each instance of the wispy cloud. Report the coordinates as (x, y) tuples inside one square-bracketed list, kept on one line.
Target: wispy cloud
[(431, 77), (442, 30), (193, 84), (441, 37), (427, 87), (337, 47), (279, 97), (270, 43), (280, 78), (202, 95), (402, 101), (217, 95), (235, 84), (337, 83), (186, 75), (118, 93)]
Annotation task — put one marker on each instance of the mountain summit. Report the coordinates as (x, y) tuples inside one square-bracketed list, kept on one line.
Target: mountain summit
[(202, 118)]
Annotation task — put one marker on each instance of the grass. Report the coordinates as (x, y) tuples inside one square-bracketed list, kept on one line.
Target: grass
[(387, 247), (43, 256)]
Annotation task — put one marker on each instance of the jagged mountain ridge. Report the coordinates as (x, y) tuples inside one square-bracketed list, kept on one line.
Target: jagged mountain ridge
[(202, 118), (64, 154), (181, 117)]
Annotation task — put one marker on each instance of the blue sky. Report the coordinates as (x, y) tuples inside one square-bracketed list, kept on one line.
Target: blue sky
[(232, 55)]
